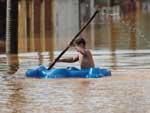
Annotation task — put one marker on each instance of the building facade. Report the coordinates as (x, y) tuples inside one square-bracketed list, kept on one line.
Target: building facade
[(43, 22)]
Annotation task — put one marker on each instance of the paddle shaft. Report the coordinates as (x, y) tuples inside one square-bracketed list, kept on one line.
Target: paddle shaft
[(71, 42)]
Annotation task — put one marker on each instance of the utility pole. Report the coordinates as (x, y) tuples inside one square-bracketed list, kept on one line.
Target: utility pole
[(108, 3), (12, 27)]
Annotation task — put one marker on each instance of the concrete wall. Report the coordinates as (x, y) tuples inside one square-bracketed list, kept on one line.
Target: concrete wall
[(66, 20)]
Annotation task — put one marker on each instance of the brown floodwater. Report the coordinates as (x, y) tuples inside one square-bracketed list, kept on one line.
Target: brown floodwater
[(118, 43)]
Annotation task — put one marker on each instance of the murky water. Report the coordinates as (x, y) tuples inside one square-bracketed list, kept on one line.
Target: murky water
[(118, 43)]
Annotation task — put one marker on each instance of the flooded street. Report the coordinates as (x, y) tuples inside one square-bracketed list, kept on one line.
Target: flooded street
[(125, 91), (119, 41)]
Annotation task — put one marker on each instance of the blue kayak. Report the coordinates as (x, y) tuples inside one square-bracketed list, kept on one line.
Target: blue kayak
[(71, 72)]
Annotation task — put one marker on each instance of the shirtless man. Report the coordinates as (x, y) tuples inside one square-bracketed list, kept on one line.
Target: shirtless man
[(84, 55)]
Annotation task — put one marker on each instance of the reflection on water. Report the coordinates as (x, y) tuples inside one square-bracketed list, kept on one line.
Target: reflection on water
[(118, 42), (75, 95), (13, 63), (117, 60)]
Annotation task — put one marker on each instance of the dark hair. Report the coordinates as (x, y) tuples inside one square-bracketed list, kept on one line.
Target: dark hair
[(80, 41)]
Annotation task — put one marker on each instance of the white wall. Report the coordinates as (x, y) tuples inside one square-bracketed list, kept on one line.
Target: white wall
[(66, 21)]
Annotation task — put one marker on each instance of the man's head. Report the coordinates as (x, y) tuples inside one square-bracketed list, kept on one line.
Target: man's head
[(80, 42)]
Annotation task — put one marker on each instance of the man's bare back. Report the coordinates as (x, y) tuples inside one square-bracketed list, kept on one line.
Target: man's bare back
[(85, 59)]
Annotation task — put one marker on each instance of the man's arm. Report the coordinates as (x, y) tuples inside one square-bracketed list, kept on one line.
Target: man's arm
[(69, 59)]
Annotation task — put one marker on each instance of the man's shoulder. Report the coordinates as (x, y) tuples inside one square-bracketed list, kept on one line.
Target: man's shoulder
[(88, 50)]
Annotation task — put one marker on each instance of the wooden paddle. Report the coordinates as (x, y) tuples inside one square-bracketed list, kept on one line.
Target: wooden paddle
[(75, 37)]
